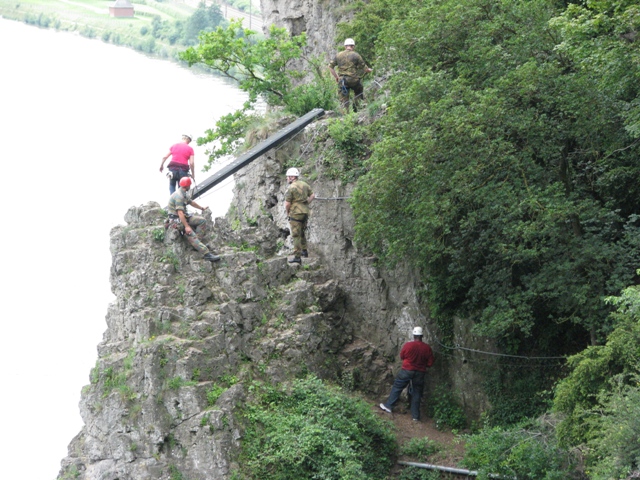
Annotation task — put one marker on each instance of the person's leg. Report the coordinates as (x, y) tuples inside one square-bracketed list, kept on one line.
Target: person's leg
[(358, 95), (303, 235), (192, 238), (416, 395), (172, 182), (296, 235), (399, 384), (343, 93), (199, 225)]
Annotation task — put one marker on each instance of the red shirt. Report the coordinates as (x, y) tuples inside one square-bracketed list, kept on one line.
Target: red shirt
[(416, 355)]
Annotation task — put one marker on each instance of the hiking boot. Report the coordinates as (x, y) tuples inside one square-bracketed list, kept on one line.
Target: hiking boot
[(305, 254), (211, 257), (297, 260), (385, 408)]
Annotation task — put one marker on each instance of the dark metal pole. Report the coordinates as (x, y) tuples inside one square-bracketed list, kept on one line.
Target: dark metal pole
[(257, 151)]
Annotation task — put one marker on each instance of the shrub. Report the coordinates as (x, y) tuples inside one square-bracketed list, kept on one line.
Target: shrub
[(314, 431), (415, 473), (528, 451), (420, 448), (615, 450), (321, 93), (446, 411)]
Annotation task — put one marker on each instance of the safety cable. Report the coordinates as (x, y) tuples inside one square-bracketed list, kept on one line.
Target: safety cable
[(458, 347)]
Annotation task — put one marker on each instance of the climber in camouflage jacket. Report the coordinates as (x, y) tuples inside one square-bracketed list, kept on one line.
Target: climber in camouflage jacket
[(297, 199), (350, 69)]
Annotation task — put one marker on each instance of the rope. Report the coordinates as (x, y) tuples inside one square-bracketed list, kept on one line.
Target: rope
[(458, 347), (331, 198)]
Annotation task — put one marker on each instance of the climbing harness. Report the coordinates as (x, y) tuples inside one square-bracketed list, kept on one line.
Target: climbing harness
[(343, 87)]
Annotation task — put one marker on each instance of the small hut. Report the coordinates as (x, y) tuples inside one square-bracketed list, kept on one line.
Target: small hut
[(121, 8)]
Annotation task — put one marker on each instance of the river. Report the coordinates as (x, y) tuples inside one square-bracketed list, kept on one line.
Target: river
[(84, 126)]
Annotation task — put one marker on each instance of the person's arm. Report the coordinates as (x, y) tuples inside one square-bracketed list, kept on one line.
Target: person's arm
[(195, 205), (333, 72), (192, 165), (164, 159), (183, 220), (287, 207), (311, 197)]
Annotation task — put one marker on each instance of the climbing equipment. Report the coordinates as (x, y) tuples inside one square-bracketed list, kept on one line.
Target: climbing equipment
[(343, 87), (293, 172), (185, 182)]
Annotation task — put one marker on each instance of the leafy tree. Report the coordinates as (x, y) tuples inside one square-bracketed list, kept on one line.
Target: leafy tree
[(583, 395), (497, 170), (264, 69), (261, 67), (204, 19)]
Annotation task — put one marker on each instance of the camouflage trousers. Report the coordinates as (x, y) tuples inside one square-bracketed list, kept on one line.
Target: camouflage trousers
[(298, 226), (199, 231), (346, 85)]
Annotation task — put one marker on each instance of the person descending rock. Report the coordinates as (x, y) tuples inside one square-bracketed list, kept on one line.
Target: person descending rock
[(182, 159), (350, 69), (296, 204), (416, 357), (193, 226)]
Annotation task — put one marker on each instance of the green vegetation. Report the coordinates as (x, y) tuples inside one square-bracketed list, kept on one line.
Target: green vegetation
[(446, 411), (114, 378), (160, 28), (262, 68), (528, 451), (489, 174), (420, 449), (224, 383), (313, 431)]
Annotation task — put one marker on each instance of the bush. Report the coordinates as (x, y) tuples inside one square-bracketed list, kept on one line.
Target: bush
[(420, 449), (314, 431), (445, 411), (527, 452), (304, 98), (415, 473), (615, 450)]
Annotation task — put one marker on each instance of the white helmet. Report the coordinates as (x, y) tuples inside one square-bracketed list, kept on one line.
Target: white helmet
[(417, 331), (293, 172), (349, 41), (189, 136)]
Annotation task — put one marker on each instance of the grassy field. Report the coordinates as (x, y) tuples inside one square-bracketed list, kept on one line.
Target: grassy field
[(91, 19)]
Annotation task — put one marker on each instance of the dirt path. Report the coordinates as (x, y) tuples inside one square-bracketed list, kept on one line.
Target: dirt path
[(452, 449)]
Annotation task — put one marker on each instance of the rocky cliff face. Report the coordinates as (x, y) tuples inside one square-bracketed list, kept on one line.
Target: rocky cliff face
[(183, 330), (318, 19)]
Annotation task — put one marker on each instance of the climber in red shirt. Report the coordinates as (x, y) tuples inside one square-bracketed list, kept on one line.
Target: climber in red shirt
[(416, 357)]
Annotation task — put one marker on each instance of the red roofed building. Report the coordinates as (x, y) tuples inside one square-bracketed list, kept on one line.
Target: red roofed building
[(121, 8)]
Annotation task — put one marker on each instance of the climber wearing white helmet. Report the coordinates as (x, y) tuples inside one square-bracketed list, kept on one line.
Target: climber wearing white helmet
[(296, 205), (416, 358), (348, 68)]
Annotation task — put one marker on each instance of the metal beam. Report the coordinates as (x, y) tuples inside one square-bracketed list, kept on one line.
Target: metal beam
[(257, 151)]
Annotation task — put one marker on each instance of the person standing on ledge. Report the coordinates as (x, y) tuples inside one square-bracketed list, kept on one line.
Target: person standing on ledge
[(193, 226), (416, 357), (296, 204), (350, 69), (182, 159)]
